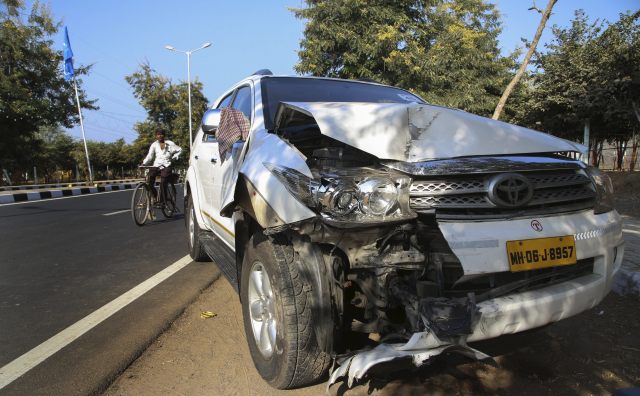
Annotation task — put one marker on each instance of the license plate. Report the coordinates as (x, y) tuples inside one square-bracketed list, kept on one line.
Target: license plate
[(528, 254)]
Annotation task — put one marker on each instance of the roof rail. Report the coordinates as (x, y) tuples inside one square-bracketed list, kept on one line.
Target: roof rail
[(263, 72), (369, 80)]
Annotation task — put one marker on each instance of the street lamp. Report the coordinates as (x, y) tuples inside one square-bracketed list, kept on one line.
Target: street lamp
[(188, 53)]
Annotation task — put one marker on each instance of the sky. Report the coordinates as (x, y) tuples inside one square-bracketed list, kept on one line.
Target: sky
[(117, 36)]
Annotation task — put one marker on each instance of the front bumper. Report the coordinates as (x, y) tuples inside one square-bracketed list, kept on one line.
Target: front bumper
[(481, 248)]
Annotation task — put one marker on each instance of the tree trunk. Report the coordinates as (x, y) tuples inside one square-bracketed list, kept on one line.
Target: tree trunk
[(525, 62), (621, 148), (597, 152), (636, 110), (635, 140)]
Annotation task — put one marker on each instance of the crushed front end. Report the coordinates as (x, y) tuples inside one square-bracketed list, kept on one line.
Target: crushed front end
[(422, 258)]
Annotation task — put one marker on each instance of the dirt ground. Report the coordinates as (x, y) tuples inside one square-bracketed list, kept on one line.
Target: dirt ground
[(596, 352), (626, 187)]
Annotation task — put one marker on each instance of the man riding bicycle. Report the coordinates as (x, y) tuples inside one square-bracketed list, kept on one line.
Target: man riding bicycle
[(161, 153)]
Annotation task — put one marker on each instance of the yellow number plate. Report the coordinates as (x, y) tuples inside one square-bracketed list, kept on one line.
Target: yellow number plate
[(539, 253)]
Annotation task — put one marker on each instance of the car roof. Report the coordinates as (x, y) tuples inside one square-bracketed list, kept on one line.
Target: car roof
[(257, 77)]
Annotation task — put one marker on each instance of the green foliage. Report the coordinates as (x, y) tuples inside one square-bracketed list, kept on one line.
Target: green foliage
[(33, 92), (103, 155), (166, 106), (590, 72), (444, 50), (53, 152)]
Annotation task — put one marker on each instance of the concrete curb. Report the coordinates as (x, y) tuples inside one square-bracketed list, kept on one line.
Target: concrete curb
[(65, 192)]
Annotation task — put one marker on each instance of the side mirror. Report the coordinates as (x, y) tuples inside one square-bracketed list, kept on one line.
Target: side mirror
[(211, 120)]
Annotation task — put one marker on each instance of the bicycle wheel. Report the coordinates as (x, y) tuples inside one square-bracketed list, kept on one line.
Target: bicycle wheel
[(169, 207), (140, 204)]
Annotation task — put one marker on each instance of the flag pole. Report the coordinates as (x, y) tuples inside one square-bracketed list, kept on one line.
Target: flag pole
[(84, 140)]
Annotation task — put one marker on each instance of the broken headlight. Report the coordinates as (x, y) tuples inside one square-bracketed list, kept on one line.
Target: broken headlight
[(356, 195), (604, 190)]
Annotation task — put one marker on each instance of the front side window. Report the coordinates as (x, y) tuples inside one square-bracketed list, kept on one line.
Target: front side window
[(243, 101), (225, 102)]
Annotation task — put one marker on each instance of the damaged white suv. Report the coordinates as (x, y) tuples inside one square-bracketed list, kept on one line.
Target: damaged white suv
[(361, 224)]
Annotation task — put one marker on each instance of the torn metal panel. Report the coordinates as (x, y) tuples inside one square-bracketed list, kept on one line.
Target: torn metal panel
[(413, 132), (266, 147)]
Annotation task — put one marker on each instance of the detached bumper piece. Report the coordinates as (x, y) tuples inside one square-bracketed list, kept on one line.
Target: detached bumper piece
[(355, 367), (446, 321)]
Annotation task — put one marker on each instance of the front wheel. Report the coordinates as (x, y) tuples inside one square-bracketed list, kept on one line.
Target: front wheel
[(278, 318), (140, 204), (169, 207), (196, 250)]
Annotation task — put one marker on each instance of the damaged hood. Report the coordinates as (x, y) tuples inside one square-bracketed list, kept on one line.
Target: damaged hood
[(414, 132)]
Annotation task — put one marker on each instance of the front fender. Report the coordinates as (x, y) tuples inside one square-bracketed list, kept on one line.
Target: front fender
[(278, 206), (191, 187)]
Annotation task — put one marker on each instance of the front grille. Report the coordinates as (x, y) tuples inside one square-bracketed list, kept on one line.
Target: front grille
[(563, 189)]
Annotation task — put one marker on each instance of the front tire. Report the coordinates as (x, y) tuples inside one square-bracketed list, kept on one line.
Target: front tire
[(277, 312), (196, 250), (140, 204), (169, 207)]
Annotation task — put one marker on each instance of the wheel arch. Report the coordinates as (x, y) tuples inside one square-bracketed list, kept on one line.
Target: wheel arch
[(190, 190)]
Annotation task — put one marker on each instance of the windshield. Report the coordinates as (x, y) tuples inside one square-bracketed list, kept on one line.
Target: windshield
[(292, 89)]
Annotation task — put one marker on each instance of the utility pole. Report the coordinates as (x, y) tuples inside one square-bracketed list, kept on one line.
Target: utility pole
[(585, 157)]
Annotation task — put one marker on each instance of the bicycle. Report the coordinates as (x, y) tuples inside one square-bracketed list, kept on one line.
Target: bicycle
[(142, 207)]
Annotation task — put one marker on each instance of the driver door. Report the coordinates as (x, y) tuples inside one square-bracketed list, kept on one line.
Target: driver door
[(207, 157), (220, 172)]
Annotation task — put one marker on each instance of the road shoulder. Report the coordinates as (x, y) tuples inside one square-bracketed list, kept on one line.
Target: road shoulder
[(93, 361), (197, 356)]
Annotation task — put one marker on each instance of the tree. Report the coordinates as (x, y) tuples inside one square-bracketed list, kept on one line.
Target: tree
[(53, 153), (588, 77), (33, 92), (523, 67), (166, 106), (562, 95), (444, 50), (619, 83)]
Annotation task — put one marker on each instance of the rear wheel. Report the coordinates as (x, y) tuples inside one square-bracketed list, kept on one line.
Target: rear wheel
[(169, 207), (278, 318), (140, 204), (196, 250)]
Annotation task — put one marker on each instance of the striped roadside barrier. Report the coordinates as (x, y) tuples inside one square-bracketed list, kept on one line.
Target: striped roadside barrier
[(65, 192)]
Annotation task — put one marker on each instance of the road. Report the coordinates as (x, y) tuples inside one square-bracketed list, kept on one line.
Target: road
[(63, 259)]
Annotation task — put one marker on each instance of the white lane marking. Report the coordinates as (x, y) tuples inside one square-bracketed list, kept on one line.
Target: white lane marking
[(37, 355), (118, 212), (53, 199)]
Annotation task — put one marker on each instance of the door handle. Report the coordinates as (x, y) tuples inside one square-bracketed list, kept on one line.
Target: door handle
[(214, 160)]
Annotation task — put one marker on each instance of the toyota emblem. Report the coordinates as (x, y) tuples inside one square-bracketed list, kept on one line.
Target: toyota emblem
[(536, 225), (510, 190)]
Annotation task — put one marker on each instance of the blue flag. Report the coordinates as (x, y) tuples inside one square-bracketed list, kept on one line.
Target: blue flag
[(68, 56)]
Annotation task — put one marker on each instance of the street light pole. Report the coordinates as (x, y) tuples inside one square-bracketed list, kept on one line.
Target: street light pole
[(188, 53), (189, 98)]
